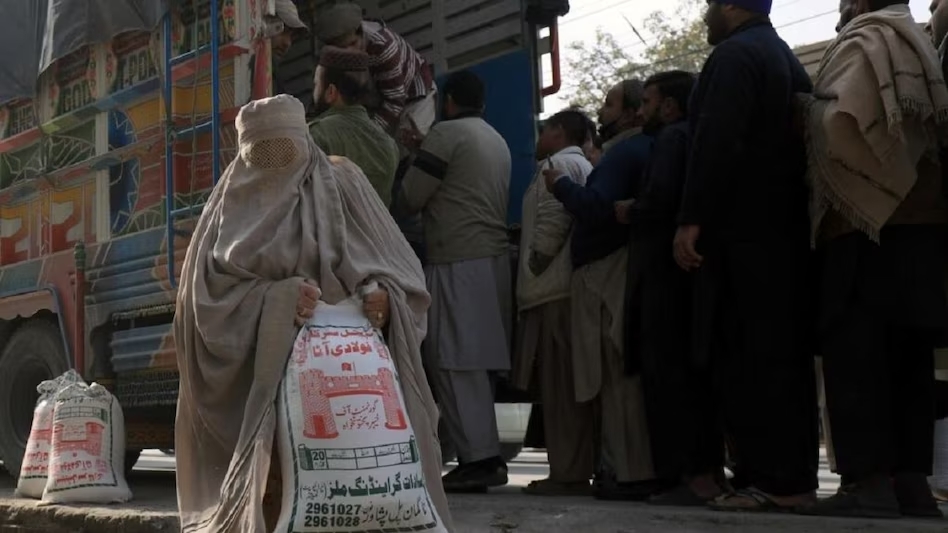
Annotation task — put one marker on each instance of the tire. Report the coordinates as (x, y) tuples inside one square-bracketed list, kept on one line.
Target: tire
[(34, 353)]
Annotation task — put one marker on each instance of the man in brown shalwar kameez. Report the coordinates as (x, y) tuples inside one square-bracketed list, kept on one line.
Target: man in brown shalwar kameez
[(285, 226), (543, 300)]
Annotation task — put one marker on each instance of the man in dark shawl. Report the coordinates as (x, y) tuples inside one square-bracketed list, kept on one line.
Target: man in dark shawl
[(285, 226), (743, 229), (875, 126)]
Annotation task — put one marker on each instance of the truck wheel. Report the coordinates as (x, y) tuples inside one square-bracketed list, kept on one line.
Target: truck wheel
[(34, 353)]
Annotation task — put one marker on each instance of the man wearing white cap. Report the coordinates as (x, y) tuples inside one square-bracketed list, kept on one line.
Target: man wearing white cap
[(284, 27), (403, 78)]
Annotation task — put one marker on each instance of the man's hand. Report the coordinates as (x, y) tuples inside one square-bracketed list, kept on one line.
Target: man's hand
[(409, 135), (624, 211), (309, 295), (376, 307), (538, 263), (684, 248), (550, 175)]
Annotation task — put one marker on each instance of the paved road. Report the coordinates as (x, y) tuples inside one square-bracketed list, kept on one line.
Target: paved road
[(529, 466), (505, 510)]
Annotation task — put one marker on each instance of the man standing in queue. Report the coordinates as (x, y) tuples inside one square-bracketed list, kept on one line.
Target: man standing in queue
[(875, 125), (687, 444), (599, 252), (460, 182), (744, 231), (543, 302)]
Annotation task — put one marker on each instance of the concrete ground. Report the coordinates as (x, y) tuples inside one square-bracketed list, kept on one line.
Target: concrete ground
[(506, 510)]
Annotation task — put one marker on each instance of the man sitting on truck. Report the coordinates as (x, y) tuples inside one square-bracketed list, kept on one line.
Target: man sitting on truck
[(343, 126), (402, 77)]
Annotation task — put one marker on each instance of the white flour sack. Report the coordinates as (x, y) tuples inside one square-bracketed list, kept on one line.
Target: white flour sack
[(87, 464), (32, 479), (348, 453)]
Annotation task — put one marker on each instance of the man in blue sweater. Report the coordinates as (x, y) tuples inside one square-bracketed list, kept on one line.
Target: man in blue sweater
[(599, 254)]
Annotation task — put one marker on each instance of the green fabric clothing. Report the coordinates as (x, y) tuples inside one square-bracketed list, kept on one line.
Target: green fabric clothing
[(349, 132)]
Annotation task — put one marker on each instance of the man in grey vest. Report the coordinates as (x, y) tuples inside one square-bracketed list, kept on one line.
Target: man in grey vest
[(459, 181)]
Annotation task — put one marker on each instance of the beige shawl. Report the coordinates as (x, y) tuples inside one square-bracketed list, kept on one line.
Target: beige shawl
[(282, 212), (878, 106)]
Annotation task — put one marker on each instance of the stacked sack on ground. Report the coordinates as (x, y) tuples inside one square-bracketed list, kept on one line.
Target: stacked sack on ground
[(76, 449)]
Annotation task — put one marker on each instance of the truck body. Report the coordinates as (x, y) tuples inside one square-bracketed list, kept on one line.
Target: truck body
[(104, 168)]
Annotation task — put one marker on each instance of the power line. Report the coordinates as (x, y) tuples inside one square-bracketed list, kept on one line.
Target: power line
[(596, 12), (706, 49), (627, 43), (588, 14)]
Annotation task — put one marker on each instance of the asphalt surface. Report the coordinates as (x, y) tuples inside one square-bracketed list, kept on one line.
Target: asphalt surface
[(504, 510)]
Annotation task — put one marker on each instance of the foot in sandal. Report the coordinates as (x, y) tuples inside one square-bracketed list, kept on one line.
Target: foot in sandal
[(754, 500)]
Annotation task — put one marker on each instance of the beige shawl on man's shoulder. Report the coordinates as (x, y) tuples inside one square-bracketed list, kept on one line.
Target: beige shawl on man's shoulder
[(282, 212), (879, 104)]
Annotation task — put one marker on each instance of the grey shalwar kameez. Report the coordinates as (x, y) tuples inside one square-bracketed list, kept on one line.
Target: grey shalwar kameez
[(459, 181)]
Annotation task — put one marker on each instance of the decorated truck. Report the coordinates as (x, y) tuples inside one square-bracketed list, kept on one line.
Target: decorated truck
[(114, 127)]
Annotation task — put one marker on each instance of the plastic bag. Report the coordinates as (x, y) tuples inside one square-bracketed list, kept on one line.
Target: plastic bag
[(33, 472), (348, 453), (87, 464)]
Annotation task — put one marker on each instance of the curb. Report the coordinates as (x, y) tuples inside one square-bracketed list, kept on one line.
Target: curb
[(482, 514), (28, 517)]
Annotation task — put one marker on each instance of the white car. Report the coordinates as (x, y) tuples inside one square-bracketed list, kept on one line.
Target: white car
[(512, 420)]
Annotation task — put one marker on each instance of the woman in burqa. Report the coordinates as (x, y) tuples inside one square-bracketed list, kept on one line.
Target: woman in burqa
[(283, 220)]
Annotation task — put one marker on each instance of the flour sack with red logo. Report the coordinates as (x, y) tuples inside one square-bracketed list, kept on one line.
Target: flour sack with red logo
[(33, 469), (348, 453), (87, 462)]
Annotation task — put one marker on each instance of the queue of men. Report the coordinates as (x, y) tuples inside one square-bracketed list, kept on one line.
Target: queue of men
[(771, 223), (679, 271)]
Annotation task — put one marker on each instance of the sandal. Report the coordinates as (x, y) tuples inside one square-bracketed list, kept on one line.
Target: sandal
[(548, 487), (760, 502)]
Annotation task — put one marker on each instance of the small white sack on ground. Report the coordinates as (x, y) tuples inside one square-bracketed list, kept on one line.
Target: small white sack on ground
[(33, 472), (87, 464), (348, 454)]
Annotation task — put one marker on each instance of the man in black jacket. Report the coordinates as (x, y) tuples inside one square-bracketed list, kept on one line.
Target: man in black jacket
[(744, 230), (687, 446)]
